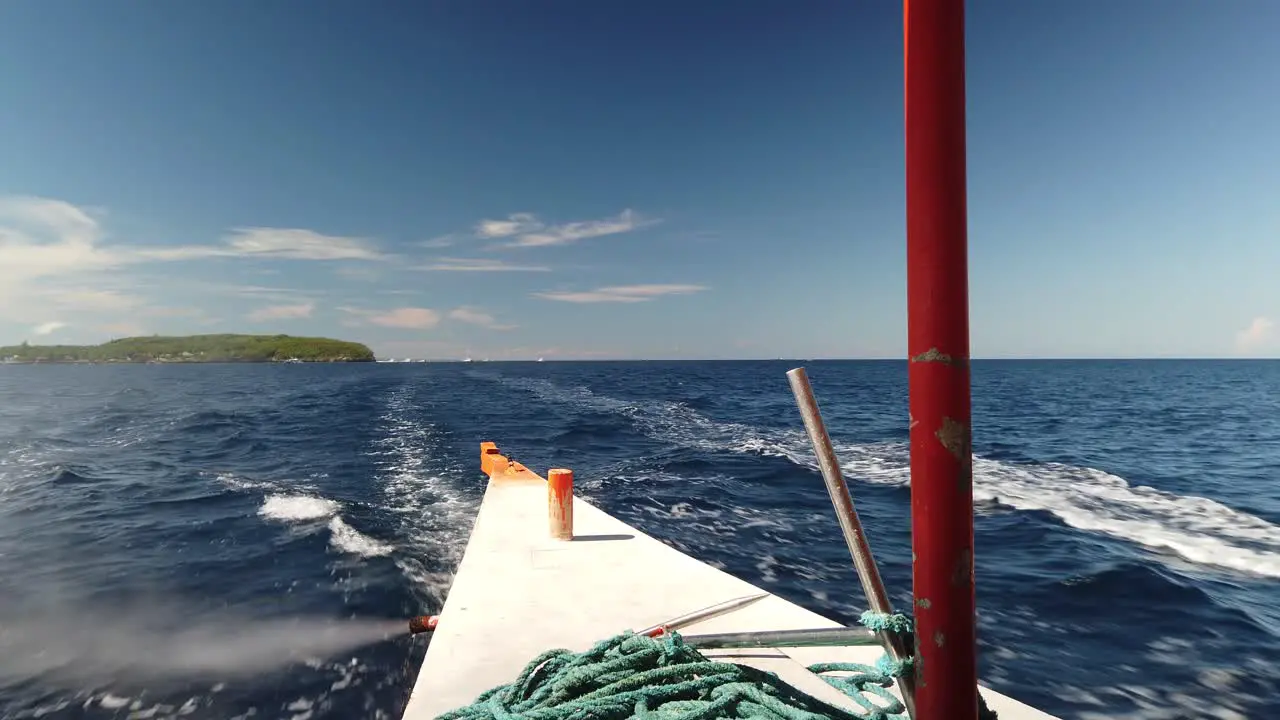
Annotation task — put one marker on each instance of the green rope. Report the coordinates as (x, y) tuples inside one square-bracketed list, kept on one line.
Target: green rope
[(633, 676)]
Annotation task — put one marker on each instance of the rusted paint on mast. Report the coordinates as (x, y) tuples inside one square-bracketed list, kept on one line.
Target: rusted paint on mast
[(938, 352)]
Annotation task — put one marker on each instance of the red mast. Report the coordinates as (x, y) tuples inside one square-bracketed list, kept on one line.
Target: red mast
[(938, 352)]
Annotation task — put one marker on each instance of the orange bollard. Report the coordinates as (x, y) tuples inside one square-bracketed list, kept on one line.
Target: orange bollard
[(560, 503), (423, 623), (488, 455)]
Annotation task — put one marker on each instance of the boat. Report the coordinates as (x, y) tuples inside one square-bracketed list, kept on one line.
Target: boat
[(561, 611), (520, 591)]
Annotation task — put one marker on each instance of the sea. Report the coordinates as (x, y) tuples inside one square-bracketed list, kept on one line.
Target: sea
[(246, 541)]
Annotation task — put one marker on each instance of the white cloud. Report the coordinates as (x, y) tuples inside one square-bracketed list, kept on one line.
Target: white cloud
[(477, 265), (122, 329), (475, 316), (65, 220), (41, 238), (621, 293), (573, 232), (1259, 337), (55, 259), (48, 327), (287, 243), (95, 300), (568, 233), (256, 291), (405, 317), (300, 244), (282, 312), (173, 312), (440, 241), (515, 224), (528, 231)]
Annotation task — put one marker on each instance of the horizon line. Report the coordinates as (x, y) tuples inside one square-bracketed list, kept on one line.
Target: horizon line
[(1169, 358)]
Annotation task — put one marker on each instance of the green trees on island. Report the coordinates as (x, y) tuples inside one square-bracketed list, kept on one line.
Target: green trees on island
[(196, 348)]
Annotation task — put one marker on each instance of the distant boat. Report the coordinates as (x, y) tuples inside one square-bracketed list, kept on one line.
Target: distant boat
[(539, 359), (466, 359)]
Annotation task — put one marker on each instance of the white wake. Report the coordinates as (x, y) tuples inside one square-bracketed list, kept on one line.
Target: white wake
[(1197, 529)]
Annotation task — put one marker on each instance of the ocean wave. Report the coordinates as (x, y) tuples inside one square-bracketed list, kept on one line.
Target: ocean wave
[(348, 539), (1084, 604), (67, 476), (1194, 528), (434, 514), (297, 507), (304, 509)]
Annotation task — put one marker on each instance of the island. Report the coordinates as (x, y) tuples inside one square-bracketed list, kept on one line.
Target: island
[(194, 349)]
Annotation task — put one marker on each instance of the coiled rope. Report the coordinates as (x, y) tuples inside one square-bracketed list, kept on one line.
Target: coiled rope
[(634, 676)]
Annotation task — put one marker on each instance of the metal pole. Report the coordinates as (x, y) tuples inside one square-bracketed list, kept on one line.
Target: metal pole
[(824, 637), (854, 537), (705, 613), (938, 353)]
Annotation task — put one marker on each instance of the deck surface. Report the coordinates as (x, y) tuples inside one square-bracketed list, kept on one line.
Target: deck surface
[(518, 593)]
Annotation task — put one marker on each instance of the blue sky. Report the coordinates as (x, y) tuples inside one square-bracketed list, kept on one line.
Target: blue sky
[(643, 179)]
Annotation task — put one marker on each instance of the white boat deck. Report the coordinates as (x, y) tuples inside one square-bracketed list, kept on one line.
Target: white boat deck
[(519, 593)]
